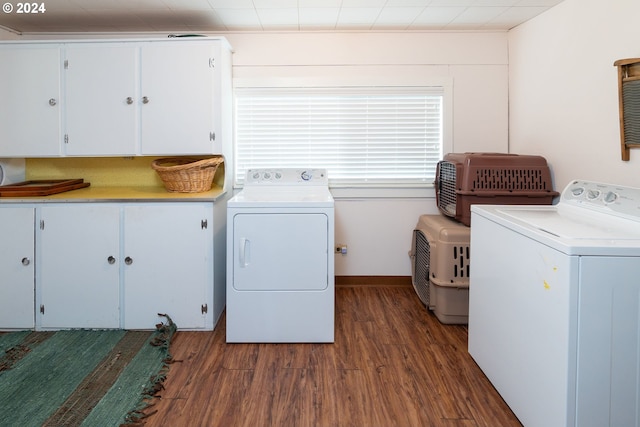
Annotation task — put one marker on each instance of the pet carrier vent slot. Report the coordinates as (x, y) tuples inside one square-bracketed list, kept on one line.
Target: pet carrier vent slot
[(422, 254), (460, 262)]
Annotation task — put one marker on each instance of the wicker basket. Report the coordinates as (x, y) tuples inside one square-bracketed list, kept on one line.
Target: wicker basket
[(187, 175)]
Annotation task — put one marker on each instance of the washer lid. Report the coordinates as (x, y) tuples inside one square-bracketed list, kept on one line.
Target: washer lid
[(573, 231), (570, 223)]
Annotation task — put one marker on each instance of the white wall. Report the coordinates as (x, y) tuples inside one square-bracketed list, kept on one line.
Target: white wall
[(7, 35), (378, 231), (563, 100)]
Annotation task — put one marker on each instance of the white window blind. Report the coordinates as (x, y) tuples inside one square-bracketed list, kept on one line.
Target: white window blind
[(377, 137)]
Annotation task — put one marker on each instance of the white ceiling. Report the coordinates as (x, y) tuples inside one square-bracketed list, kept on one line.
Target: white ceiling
[(193, 16)]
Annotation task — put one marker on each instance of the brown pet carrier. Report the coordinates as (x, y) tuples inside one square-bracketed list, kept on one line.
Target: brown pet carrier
[(463, 179), (440, 267)]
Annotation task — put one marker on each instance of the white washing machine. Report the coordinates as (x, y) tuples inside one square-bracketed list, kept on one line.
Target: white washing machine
[(280, 260), (554, 306)]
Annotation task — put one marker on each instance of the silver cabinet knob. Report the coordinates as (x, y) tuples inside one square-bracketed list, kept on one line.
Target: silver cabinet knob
[(26, 261), (111, 260), (53, 102), (128, 260), (145, 100), (129, 100)]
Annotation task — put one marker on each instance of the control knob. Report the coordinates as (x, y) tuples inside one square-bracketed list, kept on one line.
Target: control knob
[(577, 191), (610, 197), (593, 194)]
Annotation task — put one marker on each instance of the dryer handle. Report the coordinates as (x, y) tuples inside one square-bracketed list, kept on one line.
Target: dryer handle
[(245, 252)]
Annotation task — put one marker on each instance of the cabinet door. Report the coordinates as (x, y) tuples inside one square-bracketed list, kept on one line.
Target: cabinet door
[(177, 81), (30, 101), (79, 277), (171, 271), (17, 267), (101, 99)]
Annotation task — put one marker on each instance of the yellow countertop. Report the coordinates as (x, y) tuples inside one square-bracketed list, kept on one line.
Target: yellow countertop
[(120, 194)]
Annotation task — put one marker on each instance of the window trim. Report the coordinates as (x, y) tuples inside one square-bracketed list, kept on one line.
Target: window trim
[(354, 78)]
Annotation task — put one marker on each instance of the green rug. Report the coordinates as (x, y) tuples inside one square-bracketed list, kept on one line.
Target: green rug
[(81, 377)]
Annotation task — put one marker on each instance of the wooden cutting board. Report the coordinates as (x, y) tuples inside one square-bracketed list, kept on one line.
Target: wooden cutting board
[(43, 187)]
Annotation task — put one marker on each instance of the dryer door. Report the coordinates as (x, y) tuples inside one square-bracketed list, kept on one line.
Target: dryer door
[(280, 251)]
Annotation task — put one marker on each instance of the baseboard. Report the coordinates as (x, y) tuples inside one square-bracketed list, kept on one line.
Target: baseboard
[(401, 281)]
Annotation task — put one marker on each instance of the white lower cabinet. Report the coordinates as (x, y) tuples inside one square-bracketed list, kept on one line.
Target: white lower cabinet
[(171, 269), (118, 265), (78, 266), (17, 267)]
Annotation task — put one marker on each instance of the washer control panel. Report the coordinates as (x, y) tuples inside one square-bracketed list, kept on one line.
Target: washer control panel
[(286, 176), (618, 199)]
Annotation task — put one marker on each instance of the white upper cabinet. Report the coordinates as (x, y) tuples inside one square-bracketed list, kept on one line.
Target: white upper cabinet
[(101, 96), (178, 97), (153, 98), (30, 109), (115, 98)]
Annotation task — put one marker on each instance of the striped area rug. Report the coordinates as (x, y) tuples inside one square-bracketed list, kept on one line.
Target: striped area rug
[(81, 377)]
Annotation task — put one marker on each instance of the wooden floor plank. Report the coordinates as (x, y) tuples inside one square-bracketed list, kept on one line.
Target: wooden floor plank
[(392, 364)]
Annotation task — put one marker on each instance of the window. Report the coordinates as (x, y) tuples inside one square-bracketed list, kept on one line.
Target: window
[(366, 137)]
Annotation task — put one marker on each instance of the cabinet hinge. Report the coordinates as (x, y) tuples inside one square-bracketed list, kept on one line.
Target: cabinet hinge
[(42, 308), (212, 136), (42, 224), (66, 64), (204, 309), (66, 138), (204, 224)]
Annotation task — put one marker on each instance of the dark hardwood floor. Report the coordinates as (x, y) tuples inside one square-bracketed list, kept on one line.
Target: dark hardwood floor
[(392, 364)]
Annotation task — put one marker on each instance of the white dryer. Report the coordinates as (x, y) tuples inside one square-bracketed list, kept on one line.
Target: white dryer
[(280, 260), (554, 306)]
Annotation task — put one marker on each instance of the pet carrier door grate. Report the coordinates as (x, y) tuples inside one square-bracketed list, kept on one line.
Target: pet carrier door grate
[(421, 273), (447, 188)]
